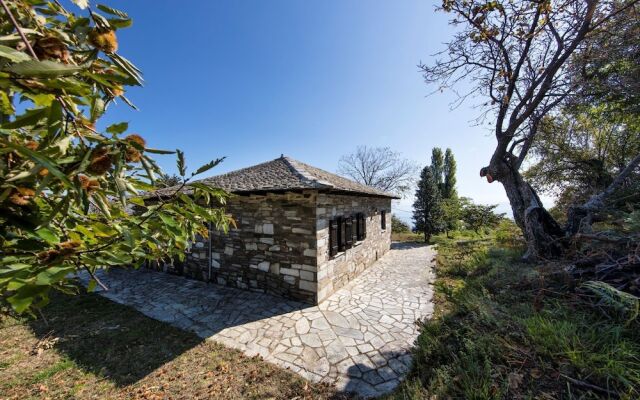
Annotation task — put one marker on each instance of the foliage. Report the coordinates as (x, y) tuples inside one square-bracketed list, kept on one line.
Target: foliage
[(580, 153), (507, 329), (623, 303), (71, 194), (437, 167), (427, 211), (507, 233), (479, 217), (449, 184), (607, 68), (381, 168), (451, 214), (165, 180), (398, 225), (444, 171), (517, 57)]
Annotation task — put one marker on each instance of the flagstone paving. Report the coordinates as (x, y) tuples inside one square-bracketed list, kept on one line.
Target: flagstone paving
[(359, 338)]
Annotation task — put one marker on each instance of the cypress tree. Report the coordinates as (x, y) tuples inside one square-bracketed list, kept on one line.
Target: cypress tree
[(427, 211), (449, 171)]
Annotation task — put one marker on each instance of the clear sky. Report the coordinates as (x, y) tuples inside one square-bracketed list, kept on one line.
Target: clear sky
[(251, 80)]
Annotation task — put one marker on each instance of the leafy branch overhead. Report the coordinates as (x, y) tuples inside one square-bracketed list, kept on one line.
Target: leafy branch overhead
[(74, 197)]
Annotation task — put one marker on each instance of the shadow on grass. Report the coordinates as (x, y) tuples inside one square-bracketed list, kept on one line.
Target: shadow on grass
[(108, 339)]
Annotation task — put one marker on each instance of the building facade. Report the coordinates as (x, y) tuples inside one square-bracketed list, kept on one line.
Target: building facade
[(301, 232)]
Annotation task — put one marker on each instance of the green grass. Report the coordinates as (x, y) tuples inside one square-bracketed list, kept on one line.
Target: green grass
[(505, 329)]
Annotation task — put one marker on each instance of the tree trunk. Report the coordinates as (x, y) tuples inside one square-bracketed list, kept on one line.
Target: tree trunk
[(544, 236)]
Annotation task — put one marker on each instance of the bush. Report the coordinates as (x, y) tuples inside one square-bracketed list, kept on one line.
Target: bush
[(399, 226)]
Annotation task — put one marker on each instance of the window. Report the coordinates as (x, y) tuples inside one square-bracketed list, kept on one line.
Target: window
[(348, 232), (361, 226), (333, 237), (383, 220), (342, 234)]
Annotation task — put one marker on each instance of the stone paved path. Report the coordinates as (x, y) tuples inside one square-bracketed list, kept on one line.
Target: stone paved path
[(359, 338)]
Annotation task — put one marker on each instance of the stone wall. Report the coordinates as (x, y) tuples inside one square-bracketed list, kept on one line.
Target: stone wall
[(281, 245), (335, 272), (272, 249)]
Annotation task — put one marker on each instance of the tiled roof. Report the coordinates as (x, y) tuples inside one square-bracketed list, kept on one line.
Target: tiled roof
[(281, 174)]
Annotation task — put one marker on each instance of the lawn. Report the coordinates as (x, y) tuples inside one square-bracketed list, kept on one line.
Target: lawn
[(506, 329), (90, 347)]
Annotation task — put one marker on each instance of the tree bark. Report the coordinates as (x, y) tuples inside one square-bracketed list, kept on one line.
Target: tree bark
[(544, 236)]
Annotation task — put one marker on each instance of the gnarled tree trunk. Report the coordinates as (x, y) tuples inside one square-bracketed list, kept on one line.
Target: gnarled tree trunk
[(544, 236)]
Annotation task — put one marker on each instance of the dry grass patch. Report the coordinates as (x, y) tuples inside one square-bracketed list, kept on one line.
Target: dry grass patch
[(91, 347)]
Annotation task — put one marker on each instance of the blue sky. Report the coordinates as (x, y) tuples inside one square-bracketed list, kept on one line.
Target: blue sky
[(251, 80)]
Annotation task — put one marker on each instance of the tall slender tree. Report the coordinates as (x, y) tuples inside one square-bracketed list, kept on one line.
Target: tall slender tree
[(427, 211), (449, 172), (437, 166)]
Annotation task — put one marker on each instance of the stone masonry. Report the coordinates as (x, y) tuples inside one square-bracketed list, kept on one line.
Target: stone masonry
[(335, 272), (280, 243)]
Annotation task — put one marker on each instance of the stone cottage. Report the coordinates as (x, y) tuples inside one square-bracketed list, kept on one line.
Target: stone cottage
[(302, 232)]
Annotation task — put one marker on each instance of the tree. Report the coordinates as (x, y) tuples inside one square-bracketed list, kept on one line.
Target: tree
[(579, 153), (427, 212), (451, 214), (398, 225), (479, 217), (437, 167), (449, 184), (379, 167), (165, 180), (517, 54), (67, 189)]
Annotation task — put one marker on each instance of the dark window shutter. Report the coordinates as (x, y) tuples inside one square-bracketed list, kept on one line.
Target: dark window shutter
[(348, 232), (383, 220), (364, 226), (342, 240), (360, 226), (333, 237), (354, 229)]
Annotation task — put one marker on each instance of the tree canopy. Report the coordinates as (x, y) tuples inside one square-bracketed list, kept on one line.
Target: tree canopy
[(379, 167), (73, 196), (427, 211)]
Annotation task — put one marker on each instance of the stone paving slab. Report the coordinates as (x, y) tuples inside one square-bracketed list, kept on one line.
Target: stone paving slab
[(358, 339)]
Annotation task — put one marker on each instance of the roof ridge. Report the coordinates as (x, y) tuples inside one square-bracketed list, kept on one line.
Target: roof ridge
[(295, 167)]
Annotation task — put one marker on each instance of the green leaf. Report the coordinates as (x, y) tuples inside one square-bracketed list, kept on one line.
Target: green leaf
[(48, 235), (97, 108), (208, 166), (92, 285), (157, 151), (44, 69), (55, 119), (112, 11), (120, 23), (127, 67), (20, 304), (53, 275), (6, 107), (29, 118), (42, 160), (168, 220), (13, 54), (118, 128), (182, 168)]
